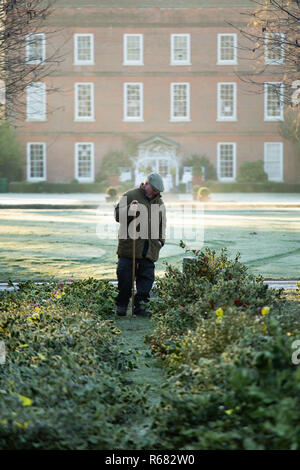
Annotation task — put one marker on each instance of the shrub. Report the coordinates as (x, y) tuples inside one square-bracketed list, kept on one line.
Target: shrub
[(63, 385), (110, 191), (270, 186), (196, 188), (232, 384), (47, 187), (111, 163), (125, 186), (111, 194), (182, 188), (252, 172), (197, 162), (209, 282), (11, 163), (203, 194), (290, 127)]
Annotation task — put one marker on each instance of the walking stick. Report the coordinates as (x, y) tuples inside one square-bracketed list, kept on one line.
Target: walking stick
[(133, 265)]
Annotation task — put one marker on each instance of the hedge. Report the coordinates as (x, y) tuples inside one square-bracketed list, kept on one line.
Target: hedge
[(46, 187), (214, 187), (270, 187)]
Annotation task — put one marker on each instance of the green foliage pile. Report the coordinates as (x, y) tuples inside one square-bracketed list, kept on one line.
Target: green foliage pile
[(226, 341), (252, 172), (224, 338), (62, 385)]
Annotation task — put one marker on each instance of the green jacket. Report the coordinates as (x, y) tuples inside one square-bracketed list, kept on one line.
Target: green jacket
[(146, 219)]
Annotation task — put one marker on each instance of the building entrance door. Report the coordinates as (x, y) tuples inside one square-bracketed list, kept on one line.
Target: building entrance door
[(157, 156)]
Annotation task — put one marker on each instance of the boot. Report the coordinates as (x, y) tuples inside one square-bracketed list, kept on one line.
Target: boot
[(121, 310)]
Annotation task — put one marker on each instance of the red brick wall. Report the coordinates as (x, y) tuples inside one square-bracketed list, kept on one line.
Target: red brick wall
[(108, 74)]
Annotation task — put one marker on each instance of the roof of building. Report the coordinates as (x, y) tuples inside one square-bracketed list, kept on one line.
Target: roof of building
[(158, 138), (153, 4)]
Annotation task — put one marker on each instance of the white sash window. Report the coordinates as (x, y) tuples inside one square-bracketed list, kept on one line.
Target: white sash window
[(274, 48), (84, 162), (36, 161), (36, 101), (84, 101), (226, 161), (133, 101), (274, 101), (35, 48), (227, 49), (133, 49), (180, 49), (83, 49), (180, 101), (227, 101), (273, 160)]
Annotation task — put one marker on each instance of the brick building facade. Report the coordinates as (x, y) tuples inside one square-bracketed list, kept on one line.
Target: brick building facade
[(158, 73)]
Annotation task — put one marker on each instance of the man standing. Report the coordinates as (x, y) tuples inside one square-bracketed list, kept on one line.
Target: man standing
[(146, 206)]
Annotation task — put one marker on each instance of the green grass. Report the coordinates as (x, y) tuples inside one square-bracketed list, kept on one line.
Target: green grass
[(63, 244)]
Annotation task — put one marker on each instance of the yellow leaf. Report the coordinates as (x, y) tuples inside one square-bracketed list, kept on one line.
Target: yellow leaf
[(22, 426), (25, 400), (42, 357), (219, 312), (265, 310)]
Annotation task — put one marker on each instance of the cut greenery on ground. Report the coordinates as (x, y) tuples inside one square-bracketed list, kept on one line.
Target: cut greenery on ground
[(64, 244), (214, 368)]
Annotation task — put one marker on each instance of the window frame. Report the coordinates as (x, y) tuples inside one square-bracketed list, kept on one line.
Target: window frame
[(222, 61), (175, 118), (79, 118), (173, 61), (81, 179), (35, 62), (83, 62), (274, 61), (43, 101), (232, 118), (127, 61), (127, 118), (28, 162), (220, 178), (281, 179), (266, 116)]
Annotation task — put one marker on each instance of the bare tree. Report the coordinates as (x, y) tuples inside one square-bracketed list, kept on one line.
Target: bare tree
[(272, 45), (23, 58)]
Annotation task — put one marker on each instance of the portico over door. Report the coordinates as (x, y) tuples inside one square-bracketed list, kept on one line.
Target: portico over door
[(158, 155)]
